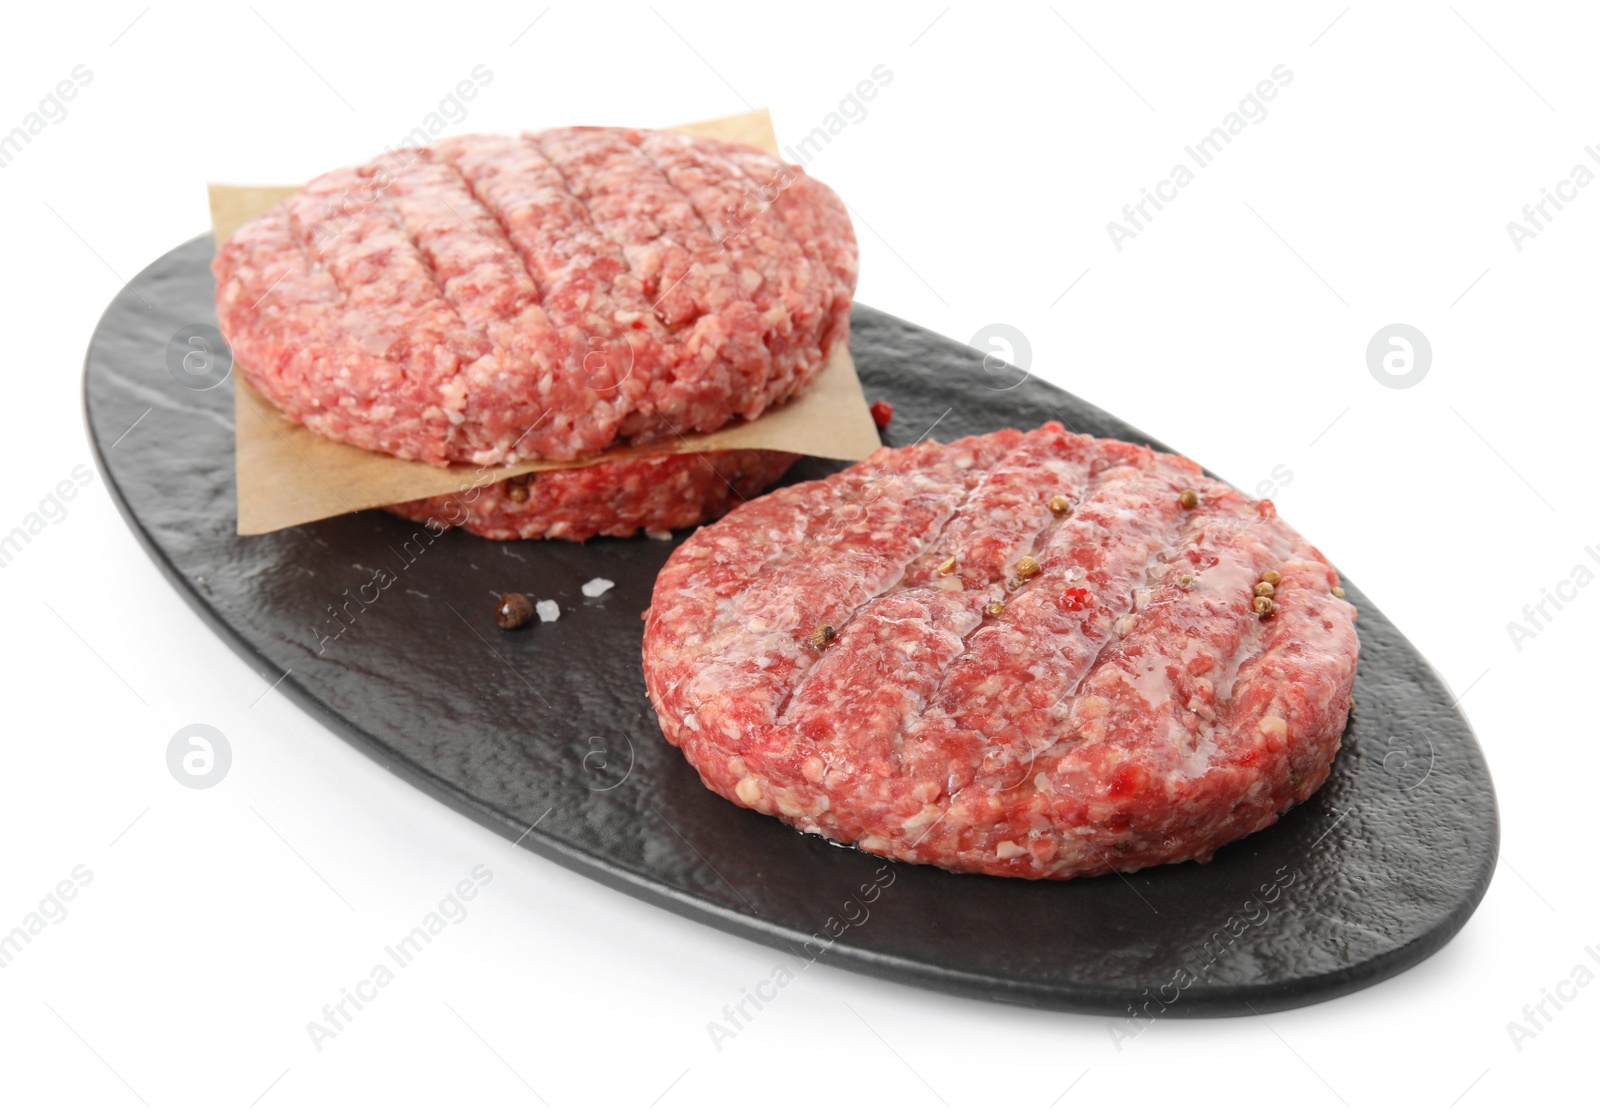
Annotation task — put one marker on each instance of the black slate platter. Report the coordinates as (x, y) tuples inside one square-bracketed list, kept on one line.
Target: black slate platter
[(550, 724)]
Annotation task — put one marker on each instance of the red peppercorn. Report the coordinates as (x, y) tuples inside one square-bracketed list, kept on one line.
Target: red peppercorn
[(1075, 599), (882, 413)]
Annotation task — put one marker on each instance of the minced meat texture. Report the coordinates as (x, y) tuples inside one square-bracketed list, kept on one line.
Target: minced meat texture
[(617, 498), (493, 299), (1125, 706)]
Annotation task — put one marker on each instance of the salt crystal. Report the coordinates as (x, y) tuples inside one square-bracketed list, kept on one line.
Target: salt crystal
[(549, 611), (598, 587)]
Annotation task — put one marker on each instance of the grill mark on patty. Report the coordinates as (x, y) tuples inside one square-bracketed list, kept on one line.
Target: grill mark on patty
[(540, 143), (486, 282), (746, 350), (1148, 481), (1015, 485), (451, 154), (666, 175), (703, 287), (391, 204), (507, 241), (301, 234), (1036, 626), (542, 221), (582, 145), (1056, 739), (408, 347), (682, 162), (974, 480), (1214, 612), (587, 227), (758, 634), (549, 230)]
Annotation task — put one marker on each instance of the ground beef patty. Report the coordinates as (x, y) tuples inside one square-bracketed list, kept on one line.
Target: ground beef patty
[(617, 498), (493, 299), (1011, 687)]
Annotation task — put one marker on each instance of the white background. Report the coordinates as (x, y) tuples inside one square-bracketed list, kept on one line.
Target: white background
[(1377, 190)]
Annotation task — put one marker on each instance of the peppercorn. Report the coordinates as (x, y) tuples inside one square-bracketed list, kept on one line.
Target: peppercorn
[(995, 608), (1339, 592), (517, 489), (1189, 499), (513, 610), (1027, 569), (947, 566), (1265, 589), (882, 413), (822, 636), (1060, 505), (1270, 576), (1264, 606), (1076, 598)]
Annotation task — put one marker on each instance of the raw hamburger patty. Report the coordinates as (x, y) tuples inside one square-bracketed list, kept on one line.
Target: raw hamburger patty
[(1126, 707), (493, 299), (617, 498)]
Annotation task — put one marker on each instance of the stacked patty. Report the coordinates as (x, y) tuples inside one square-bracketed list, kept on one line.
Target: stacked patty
[(497, 299), (652, 494), (1033, 654)]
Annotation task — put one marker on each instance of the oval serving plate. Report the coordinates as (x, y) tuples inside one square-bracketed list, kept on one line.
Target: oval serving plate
[(1376, 872)]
